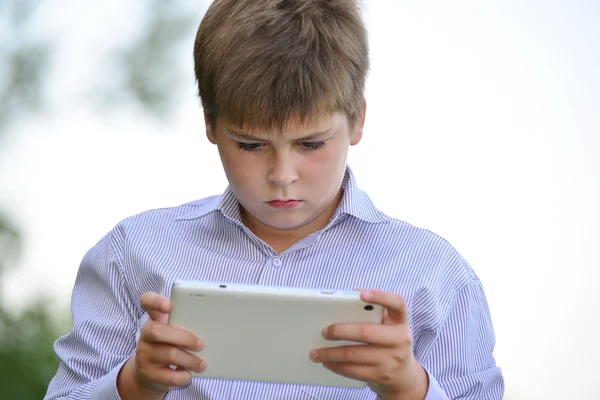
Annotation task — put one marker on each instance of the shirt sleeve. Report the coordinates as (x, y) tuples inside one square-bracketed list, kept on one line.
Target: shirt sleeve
[(459, 359), (104, 328)]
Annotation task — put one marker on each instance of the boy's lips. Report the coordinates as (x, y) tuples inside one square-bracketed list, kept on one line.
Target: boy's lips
[(290, 203)]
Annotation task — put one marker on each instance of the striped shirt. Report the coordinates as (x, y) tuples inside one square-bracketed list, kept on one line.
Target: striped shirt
[(205, 240)]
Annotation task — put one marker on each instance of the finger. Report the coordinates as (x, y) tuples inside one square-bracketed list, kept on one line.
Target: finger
[(168, 377), (156, 332), (358, 354), (394, 304), (360, 372), (156, 306), (166, 355), (375, 334)]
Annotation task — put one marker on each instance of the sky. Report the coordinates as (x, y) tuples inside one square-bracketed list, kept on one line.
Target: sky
[(483, 126)]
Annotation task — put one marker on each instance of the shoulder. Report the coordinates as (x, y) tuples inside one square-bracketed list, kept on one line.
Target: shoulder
[(417, 247), (415, 262), (159, 220), (168, 215), (439, 259), (440, 270)]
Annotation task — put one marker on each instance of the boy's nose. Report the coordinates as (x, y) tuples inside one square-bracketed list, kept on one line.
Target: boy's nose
[(283, 173), (283, 180)]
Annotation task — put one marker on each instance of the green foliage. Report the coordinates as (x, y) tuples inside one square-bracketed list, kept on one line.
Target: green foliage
[(27, 359), (149, 76), (10, 243), (146, 75), (24, 58)]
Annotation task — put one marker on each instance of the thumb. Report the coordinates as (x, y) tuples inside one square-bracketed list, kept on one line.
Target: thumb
[(158, 307)]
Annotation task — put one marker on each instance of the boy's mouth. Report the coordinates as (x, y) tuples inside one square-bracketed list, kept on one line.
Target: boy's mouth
[(284, 203)]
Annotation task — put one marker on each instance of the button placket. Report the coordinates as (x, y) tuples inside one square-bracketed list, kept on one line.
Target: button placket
[(274, 272)]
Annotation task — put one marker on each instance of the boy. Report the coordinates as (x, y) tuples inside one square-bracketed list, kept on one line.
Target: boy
[(281, 84)]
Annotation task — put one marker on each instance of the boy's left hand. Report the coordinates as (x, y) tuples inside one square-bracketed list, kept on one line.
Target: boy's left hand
[(386, 360)]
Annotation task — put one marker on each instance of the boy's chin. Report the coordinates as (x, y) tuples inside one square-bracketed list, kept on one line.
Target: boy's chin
[(287, 224)]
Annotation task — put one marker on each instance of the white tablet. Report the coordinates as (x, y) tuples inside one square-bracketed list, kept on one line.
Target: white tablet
[(263, 333)]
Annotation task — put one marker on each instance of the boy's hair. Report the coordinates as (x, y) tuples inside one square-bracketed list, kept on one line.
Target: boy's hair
[(264, 64)]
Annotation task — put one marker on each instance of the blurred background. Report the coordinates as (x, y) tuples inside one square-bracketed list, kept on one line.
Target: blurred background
[(483, 126)]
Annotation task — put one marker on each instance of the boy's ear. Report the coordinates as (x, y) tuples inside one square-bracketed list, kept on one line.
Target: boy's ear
[(358, 130), (210, 130)]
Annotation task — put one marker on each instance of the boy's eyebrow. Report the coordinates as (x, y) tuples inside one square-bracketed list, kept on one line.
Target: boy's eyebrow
[(245, 136)]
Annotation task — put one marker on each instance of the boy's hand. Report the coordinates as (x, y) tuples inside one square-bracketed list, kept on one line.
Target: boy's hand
[(386, 361), (159, 348)]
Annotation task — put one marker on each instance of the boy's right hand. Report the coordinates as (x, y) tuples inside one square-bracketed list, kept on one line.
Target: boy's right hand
[(159, 347)]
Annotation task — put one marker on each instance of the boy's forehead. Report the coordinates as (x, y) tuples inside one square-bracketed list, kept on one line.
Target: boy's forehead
[(291, 129)]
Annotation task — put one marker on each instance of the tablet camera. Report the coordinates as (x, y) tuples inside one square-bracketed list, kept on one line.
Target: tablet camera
[(368, 307)]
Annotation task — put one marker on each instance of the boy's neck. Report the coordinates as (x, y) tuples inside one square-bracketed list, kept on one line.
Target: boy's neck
[(282, 239)]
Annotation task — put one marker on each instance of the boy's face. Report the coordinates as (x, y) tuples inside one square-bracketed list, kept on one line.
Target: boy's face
[(290, 181)]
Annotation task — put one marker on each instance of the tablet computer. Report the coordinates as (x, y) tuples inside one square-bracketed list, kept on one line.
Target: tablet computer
[(262, 333)]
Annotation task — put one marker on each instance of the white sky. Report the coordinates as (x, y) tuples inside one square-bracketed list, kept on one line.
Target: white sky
[(483, 126)]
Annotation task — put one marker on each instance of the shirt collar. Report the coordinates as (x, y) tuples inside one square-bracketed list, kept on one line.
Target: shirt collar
[(357, 203), (354, 203)]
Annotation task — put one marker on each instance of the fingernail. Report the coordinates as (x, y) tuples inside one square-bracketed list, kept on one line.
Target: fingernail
[(367, 295), (314, 355), (324, 333), (202, 366), (199, 345)]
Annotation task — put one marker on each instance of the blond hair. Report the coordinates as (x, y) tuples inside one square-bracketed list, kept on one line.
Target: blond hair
[(265, 63)]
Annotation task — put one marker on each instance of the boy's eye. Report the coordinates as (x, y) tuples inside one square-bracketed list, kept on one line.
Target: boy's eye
[(260, 146), (312, 145), (249, 146)]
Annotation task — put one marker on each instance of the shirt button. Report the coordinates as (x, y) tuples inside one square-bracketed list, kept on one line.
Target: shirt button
[(276, 262)]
